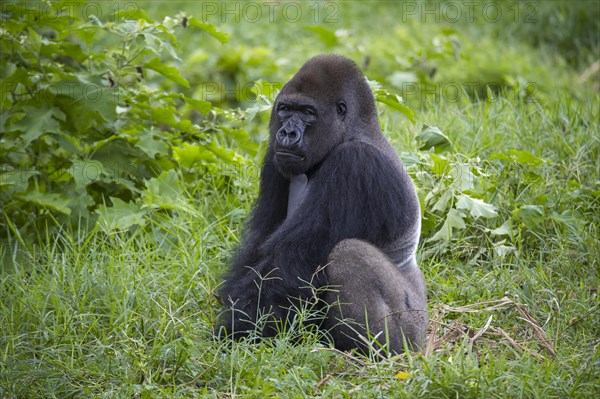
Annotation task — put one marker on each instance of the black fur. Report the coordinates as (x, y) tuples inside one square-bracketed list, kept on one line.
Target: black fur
[(357, 188)]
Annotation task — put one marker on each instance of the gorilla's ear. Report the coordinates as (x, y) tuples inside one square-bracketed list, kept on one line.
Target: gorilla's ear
[(341, 109)]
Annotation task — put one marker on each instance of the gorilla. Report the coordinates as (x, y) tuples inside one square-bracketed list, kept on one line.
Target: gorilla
[(337, 221)]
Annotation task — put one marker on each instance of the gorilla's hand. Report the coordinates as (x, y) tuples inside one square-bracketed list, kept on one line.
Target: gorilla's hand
[(262, 297)]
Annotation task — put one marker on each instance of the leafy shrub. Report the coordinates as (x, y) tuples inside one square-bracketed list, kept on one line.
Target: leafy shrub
[(95, 119)]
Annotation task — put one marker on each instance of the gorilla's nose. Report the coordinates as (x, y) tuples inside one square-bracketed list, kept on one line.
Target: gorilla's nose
[(288, 138)]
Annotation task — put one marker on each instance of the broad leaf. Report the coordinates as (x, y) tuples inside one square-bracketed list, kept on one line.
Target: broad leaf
[(122, 215), (265, 90), (209, 28), (504, 230), (521, 157), (87, 172), (38, 121), (225, 154), (190, 155), (443, 202), (167, 71), (530, 215), (432, 137), (327, 36), (462, 177), (165, 192), (395, 102), (57, 202), (525, 158), (454, 220), (151, 143), (199, 105), (476, 207)]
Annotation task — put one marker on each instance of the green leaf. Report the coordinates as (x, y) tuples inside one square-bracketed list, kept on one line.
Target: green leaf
[(489, 94), (525, 157), (444, 201), (80, 203), (86, 172), (167, 71), (151, 145), (327, 36), (85, 99), (201, 106), (129, 11), (261, 104), (243, 139), (38, 121), (571, 219), (209, 28), (16, 181), (166, 186), (462, 177), (165, 192), (165, 114), (432, 137), (530, 215), (454, 220), (503, 250), (118, 158), (189, 155), (121, 215), (476, 207), (34, 41), (504, 230), (155, 43), (519, 156), (395, 102), (57, 202), (265, 90), (225, 154), (440, 164)]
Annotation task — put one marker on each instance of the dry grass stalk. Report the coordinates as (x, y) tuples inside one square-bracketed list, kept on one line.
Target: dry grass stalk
[(457, 329)]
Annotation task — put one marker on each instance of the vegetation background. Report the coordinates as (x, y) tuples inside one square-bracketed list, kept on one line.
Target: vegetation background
[(130, 145)]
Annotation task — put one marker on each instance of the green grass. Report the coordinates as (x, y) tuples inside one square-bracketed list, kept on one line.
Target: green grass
[(131, 314)]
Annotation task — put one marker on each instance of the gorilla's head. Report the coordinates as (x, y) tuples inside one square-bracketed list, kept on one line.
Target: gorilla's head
[(326, 103)]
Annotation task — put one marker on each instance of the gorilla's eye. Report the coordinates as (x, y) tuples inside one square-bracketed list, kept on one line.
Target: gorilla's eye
[(282, 107), (309, 111), (341, 108)]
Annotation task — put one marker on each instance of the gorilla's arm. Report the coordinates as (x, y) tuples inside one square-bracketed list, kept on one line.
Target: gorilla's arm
[(365, 196), (268, 214), (356, 193), (239, 290)]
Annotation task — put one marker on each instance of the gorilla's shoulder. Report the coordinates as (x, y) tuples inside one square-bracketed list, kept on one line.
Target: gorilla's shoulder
[(358, 160), (361, 150)]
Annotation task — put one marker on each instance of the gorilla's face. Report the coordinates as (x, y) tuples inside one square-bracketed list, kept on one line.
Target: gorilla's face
[(305, 131), (325, 104)]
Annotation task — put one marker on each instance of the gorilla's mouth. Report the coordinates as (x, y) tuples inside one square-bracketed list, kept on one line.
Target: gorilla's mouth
[(289, 156)]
